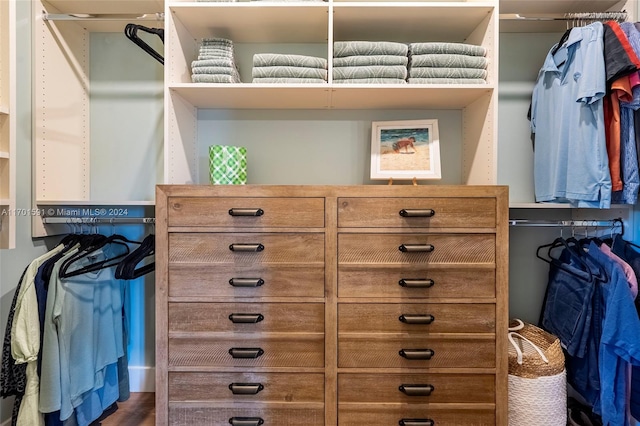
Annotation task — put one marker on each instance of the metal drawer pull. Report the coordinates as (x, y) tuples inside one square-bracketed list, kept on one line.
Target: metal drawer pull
[(246, 212), (416, 422), (240, 318), (416, 353), (416, 390), (416, 319), (416, 248), (417, 212), (245, 388), (246, 282), (416, 283), (246, 247), (246, 352), (246, 421)]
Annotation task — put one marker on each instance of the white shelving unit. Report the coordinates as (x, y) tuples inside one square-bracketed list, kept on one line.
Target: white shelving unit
[(7, 124), (67, 99), (322, 23)]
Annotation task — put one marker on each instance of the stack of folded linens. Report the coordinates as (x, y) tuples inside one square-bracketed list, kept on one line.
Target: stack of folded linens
[(447, 63), (216, 62), (288, 68), (370, 62)]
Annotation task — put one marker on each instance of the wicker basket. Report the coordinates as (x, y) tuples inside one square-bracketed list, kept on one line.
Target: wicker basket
[(537, 378)]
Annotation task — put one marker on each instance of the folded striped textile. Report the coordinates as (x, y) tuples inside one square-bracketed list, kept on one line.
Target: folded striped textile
[(214, 62), (289, 72), (412, 80), (370, 81), (207, 41), (449, 61), (371, 71), (352, 61), (273, 59), (214, 70), (353, 48), (431, 72), (214, 78), (444, 47), (206, 57), (289, 80)]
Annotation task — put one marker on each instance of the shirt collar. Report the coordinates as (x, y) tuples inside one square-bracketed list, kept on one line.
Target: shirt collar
[(575, 36)]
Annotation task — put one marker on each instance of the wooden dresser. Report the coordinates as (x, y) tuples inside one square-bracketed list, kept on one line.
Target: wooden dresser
[(331, 305)]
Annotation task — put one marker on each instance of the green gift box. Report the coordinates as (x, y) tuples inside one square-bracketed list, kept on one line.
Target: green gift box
[(227, 165)]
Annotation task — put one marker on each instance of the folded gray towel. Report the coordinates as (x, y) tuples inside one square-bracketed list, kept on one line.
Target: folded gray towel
[(444, 47), (370, 81), (274, 59), (431, 72), (371, 71), (289, 72), (216, 62), (448, 61), (216, 41), (214, 70), (289, 80), (352, 61), (207, 57), (446, 81), (353, 48), (214, 78)]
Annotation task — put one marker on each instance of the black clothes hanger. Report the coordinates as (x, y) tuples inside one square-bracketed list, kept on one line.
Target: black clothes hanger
[(127, 268), (571, 250), (131, 31), (564, 38), (102, 264)]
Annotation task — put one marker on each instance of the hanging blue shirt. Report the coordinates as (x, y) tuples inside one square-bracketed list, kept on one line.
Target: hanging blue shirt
[(567, 118)]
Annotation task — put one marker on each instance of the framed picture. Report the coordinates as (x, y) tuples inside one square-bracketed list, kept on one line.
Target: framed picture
[(405, 150)]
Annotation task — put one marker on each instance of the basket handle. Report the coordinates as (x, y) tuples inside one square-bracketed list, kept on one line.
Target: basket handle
[(518, 327), (519, 352)]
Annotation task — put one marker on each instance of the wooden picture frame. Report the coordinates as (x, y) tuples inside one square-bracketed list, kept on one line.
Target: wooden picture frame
[(405, 150)]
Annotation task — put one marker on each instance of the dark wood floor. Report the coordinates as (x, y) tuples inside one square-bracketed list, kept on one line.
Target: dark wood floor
[(138, 410)]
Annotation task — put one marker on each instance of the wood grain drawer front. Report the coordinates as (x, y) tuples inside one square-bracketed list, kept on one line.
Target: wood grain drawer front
[(246, 317), (180, 415), (384, 351), (415, 282), (422, 318), (415, 249), (416, 212), (241, 212), (289, 265), (416, 388), (392, 415), (246, 387), (294, 350)]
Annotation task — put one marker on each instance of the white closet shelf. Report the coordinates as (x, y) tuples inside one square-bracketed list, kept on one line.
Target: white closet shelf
[(5, 201), (4, 155), (537, 7), (92, 203), (335, 96), (558, 206), (307, 22), (106, 6), (4, 110)]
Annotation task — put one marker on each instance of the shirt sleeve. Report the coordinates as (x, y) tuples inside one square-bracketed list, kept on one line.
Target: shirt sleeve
[(592, 83)]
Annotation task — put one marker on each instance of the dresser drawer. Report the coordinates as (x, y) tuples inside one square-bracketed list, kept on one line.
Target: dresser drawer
[(288, 264), (389, 212), (293, 350), (246, 387), (180, 415), (415, 249), (416, 388), (249, 212), (415, 281), (247, 317), (383, 351), (419, 318), (392, 415)]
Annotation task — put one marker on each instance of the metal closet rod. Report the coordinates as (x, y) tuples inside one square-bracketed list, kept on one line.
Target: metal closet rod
[(158, 16), (581, 223), (573, 16), (72, 220)]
